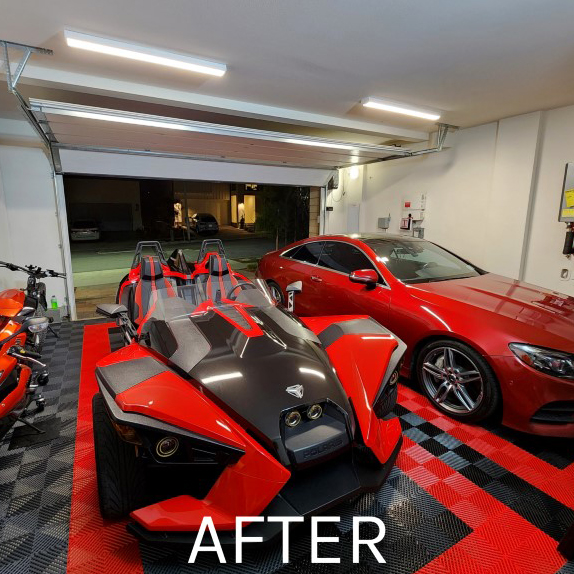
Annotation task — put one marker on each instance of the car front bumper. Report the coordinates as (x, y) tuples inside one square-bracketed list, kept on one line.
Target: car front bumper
[(527, 394), (304, 495)]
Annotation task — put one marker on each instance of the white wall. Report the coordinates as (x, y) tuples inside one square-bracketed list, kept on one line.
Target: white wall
[(544, 255), (492, 195), (28, 223)]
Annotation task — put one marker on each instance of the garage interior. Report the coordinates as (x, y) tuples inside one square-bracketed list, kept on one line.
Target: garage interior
[(297, 135)]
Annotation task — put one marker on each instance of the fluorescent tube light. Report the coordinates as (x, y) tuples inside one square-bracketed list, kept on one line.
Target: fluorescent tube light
[(128, 120), (320, 144), (397, 108), (143, 53)]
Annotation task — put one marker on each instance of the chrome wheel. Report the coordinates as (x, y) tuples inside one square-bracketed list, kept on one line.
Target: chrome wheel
[(452, 380), (276, 293)]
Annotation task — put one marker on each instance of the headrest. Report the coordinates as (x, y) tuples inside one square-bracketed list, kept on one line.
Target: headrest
[(217, 265), (151, 268)]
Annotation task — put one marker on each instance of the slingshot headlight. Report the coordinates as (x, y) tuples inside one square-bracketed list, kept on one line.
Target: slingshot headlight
[(167, 446), (314, 412), (38, 328), (293, 419), (393, 380)]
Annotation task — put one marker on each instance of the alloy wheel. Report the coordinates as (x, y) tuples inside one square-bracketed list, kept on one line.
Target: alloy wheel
[(276, 293), (452, 380)]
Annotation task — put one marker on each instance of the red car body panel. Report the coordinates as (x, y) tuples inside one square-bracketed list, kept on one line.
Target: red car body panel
[(487, 312)]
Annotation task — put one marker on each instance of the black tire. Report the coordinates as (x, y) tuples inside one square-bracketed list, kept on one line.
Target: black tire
[(120, 473), (484, 394), (276, 292)]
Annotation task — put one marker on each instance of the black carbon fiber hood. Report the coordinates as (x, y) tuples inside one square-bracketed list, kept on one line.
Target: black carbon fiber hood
[(249, 376)]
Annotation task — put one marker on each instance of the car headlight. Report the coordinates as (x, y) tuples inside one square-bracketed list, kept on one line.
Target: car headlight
[(555, 363)]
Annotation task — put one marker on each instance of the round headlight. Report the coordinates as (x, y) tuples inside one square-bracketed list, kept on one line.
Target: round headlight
[(394, 378), (293, 419), (314, 412), (167, 446)]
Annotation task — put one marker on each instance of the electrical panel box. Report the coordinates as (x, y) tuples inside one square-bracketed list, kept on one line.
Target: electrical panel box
[(384, 222)]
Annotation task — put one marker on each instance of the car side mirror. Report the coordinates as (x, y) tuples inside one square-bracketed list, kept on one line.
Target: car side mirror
[(368, 277), (111, 310), (291, 289)]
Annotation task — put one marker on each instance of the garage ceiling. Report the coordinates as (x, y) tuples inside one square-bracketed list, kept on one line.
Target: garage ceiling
[(475, 61)]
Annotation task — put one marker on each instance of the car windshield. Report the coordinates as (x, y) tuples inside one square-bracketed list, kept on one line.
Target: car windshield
[(206, 218), (176, 301), (419, 261)]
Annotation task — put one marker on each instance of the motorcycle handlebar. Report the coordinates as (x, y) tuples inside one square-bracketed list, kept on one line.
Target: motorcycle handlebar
[(33, 270)]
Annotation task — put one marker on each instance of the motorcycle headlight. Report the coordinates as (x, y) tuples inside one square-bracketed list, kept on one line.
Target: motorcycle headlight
[(549, 361)]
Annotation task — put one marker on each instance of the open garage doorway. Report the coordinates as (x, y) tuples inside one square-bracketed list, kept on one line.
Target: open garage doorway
[(107, 217)]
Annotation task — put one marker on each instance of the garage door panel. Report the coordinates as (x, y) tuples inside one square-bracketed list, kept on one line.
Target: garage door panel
[(212, 150), (97, 134)]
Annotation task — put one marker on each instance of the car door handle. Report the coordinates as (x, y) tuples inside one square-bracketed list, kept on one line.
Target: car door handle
[(316, 279)]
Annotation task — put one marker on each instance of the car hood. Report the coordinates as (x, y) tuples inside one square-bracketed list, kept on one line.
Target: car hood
[(248, 376), (538, 314)]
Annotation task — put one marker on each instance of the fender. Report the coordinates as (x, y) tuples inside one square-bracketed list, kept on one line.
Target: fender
[(257, 475), (365, 356)]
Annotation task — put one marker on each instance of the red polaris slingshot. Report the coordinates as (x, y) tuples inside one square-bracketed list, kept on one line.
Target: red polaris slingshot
[(222, 403)]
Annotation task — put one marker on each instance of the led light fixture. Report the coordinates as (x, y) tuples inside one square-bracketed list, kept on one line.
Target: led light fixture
[(320, 144), (395, 107), (143, 53)]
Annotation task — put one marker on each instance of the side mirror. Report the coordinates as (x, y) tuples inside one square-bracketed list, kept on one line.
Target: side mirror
[(111, 310), (291, 289), (368, 277), (295, 287)]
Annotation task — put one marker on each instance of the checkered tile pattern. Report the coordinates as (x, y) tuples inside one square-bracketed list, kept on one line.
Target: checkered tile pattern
[(461, 498), (418, 529), (36, 482)]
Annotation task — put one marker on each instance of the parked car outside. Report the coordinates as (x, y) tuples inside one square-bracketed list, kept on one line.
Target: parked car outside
[(478, 342), (204, 223), (85, 230)]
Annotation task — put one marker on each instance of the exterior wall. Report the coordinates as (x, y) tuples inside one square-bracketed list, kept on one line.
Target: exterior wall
[(81, 192), (314, 210)]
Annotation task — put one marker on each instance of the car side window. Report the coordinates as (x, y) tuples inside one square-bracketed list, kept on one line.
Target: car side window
[(308, 252), (344, 257)]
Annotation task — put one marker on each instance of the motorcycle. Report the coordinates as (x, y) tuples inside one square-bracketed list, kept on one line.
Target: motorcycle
[(30, 301), (18, 381)]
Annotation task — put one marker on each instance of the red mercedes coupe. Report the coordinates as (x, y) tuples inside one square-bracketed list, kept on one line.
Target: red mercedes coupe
[(478, 343)]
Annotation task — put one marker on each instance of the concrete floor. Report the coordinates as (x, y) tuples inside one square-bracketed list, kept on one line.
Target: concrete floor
[(98, 267)]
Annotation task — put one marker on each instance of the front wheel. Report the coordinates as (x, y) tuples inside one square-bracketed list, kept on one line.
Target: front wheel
[(120, 473), (458, 380), (276, 292)]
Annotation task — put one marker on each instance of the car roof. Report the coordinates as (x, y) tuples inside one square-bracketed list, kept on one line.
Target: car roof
[(368, 237)]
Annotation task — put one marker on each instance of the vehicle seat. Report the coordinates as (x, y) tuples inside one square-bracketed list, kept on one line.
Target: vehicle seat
[(218, 281), (152, 284)]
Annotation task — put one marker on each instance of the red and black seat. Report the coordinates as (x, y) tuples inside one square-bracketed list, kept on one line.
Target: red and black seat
[(151, 285), (218, 281)]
